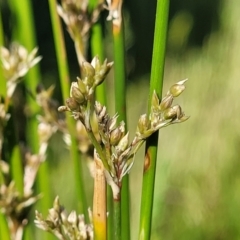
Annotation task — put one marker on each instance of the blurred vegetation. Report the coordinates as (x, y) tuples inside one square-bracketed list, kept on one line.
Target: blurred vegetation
[(196, 191)]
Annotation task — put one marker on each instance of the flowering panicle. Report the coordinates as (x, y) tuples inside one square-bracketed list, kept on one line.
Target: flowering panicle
[(112, 142), (64, 226), (16, 205), (79, 21), (16, 62)]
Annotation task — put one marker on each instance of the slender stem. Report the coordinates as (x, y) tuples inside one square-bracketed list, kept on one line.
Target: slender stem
[(24, 20), (79, 48), (60, 49), (152, 143), (17, 169), (4, 233), (120, 108), (98, 50), (99, 202), (117, 219), (98, 149), (65, 86), (3, 85)]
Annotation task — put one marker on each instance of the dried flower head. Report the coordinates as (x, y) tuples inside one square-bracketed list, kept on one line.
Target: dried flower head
[(14, 204), (63, 225), (16, 62), (79, 20)]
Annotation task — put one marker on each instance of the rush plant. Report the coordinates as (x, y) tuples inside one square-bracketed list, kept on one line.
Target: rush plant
[(87, 127)]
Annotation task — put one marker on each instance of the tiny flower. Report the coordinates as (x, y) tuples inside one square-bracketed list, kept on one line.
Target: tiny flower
[(123, 144), (76, 93), (166, 102), (72, 104), (116, 135), (16, 63), (82, 87), (88, 73), (177, 88), (143, 123)]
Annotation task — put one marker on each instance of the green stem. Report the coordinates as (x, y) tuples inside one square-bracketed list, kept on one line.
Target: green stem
[(79, 48), (17, 169), (98, 149), (98, 50), (65, 86), (120, 108), (3, 85), (156, 83), (117, 219), (4, 230), (24, 20), (96, 144)]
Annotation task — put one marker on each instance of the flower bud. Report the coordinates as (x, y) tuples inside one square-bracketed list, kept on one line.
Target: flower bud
[(143, 123), (112, 122), (177, 89), (95, 63), (88, 69), (77, 95), (166, 102), (98, 107), (72, 104), (102, 72), (88, 73), (81, 86), (72, 218), (62, 109), (116, 135), (174, 112), (169, 113), (123, 144), (155, 100)]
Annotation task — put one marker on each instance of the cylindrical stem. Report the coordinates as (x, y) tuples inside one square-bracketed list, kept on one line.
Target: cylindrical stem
[(156, 83), (99, 201)]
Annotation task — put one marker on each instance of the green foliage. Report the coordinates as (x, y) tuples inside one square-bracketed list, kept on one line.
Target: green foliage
[(197, 178)]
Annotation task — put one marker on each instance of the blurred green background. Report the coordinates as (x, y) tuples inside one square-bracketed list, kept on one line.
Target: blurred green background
[(197, 190)]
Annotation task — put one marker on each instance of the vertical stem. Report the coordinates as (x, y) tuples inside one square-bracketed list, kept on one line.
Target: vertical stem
[(98, 50), (99, 202), (117, 219), (157, 72), (4, 230), (3, 85), (65, 86), (24, 20), (17, 169), (120, 108)]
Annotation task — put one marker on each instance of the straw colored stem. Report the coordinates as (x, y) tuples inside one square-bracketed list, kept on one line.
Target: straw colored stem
[(99, 202), (152, 143)]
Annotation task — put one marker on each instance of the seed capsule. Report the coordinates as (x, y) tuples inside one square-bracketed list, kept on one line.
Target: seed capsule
[(72, 104)]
